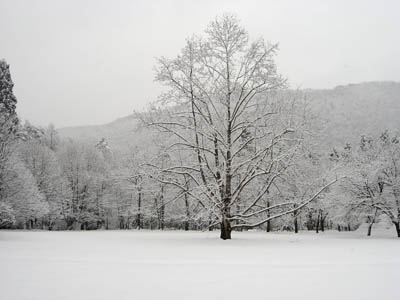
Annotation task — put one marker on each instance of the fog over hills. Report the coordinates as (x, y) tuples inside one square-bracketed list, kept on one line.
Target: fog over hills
[(119, 133), (346, 111), (356, 109)]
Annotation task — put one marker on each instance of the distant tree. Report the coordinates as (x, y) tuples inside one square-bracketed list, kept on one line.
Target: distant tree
[(132, 178), (22, 194), (309, 167), (104, 148), (30, 132), (51, 137), (374, 184), (8, 101), (389, 177), (45, 168), (87, 174)]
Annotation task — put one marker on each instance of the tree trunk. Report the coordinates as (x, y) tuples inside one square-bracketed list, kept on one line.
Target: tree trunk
[(187, 212), (296, 223), (322, 224), (372, 221), (139, 215), (161, 219), (310, 222), (225, 229), (269, 221), (186, 225), (227, 194), (369, 229), (162, 209), (317, 226), (397, 225)]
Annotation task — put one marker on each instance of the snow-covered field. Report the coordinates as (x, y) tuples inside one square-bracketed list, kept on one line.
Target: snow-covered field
[(197, 265)]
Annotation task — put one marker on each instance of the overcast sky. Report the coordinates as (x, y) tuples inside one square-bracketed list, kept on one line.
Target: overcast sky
[(90, 62)]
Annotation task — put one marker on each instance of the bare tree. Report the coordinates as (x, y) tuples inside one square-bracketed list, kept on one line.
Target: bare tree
[(221, 106), (389, 178), (375, 179)]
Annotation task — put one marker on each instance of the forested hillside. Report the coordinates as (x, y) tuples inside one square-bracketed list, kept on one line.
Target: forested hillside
[(356, 109), (345, 112)]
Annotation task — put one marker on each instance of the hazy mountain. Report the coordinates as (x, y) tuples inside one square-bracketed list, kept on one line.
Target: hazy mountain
[(348, 111), (355, 109), (120, 134)]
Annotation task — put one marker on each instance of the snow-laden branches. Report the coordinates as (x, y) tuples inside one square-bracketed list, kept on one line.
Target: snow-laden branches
[(285, 212), (223, 110)]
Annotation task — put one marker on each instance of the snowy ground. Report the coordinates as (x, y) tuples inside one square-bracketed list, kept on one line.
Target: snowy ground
[(197, 265)]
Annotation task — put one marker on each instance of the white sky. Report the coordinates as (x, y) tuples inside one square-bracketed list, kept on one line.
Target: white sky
[(90, 62)]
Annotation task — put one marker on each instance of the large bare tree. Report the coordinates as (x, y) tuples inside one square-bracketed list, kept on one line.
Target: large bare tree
[(223, 106)]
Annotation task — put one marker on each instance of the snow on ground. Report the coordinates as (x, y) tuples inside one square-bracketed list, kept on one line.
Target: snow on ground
[(197, 265)]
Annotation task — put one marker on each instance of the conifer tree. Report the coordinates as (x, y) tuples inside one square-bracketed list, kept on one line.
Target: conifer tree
[(8, 119)]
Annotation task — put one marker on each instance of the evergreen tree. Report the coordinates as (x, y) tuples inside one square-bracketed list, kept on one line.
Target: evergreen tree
[(8, 101), (8, 120)]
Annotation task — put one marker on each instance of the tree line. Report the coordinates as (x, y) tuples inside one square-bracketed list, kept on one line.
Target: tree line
[(230, 147)]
